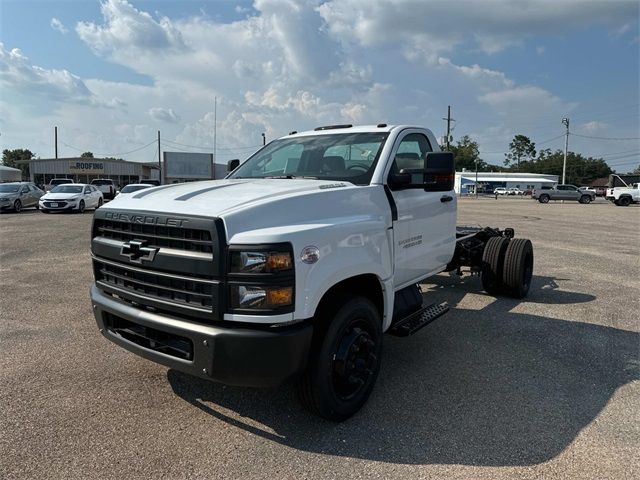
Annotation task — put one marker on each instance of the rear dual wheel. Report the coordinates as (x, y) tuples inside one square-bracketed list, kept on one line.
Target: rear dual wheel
[(507, 266)]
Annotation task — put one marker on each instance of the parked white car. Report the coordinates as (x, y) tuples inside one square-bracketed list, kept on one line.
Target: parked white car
[(71, 197), (514, 191), (133, 187), (500, 191)]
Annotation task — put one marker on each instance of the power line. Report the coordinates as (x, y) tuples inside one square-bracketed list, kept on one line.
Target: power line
[(605, 138), (218, 147), (112, 154)]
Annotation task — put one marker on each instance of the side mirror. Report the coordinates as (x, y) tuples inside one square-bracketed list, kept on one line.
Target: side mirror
[(440, 172), (233, 164)]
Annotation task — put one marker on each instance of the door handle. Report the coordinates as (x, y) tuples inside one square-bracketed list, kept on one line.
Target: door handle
[(446, 198)]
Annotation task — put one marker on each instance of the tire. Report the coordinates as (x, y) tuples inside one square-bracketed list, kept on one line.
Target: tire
[(81, 206), (37, 206), (344, 363), (518, 268), (585, 199), (100, 201), (543, 199), (43, 210), (624, 201), (492, 265), (17, 206)]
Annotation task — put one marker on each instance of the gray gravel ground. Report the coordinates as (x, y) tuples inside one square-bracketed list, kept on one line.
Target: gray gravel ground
[(543, 388)]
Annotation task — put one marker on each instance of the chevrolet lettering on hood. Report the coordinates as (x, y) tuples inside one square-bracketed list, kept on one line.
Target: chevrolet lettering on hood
[(146, 219)]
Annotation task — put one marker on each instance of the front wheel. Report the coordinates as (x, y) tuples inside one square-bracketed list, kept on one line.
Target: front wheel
[(624, 201), (17, 206), (81, 206), (99, 203), (544, 199), (343, 369), (585, 199)]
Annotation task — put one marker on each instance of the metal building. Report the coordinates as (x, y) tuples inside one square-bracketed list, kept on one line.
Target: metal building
[(488, 181), (83, 170)]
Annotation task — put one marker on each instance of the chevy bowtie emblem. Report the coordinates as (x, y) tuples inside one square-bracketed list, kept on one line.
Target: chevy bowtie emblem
[(137, 252)]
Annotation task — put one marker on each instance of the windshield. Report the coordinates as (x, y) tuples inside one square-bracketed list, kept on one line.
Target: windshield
[(61, 181), (134, 188), (67, 189), (9, 188), (350, 157)]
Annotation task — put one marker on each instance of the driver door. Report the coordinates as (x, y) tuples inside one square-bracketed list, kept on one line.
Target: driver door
[(425, 228)]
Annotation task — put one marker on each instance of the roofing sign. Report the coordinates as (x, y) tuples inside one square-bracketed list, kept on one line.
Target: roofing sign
[(86, 167)]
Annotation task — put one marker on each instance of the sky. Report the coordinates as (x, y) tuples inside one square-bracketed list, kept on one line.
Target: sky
[(111, 74)]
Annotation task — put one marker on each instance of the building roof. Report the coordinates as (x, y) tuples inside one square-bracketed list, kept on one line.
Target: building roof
[(482, 177), (81, 159), (4, 168)]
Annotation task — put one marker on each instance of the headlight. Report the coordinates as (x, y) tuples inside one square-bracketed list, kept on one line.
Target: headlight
[(73, 199), (4, 199), (260, 296), (260, 262)]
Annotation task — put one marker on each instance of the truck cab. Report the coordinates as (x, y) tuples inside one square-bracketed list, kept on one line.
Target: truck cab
[(295, 264)]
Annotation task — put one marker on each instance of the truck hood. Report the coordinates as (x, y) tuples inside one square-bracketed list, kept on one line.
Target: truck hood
[(220, 197)]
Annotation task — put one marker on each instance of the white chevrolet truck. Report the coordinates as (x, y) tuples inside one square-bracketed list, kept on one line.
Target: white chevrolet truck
[(296, 264), (624, 196)]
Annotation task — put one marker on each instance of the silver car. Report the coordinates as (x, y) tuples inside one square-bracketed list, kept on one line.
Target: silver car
[(18, 195)]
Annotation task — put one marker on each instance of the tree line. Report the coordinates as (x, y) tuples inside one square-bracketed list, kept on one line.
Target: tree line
[(523, 157)]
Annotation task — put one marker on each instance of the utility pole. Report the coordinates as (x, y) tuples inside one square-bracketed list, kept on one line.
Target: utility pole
[(159, 159), (56, 140), (448, 120), (476, 189), (215, 125), (565, 121)]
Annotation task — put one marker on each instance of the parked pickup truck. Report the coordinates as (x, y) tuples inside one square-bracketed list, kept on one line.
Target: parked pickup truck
[(563, 192), (107, 186), (55, 182), (624, 196), (296, 264)]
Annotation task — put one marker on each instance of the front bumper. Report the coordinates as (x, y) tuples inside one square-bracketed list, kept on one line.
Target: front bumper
[(65, 207), (6, 204), (234, 356)]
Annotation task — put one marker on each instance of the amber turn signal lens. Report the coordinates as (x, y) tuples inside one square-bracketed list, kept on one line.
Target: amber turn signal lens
[(278, 297), (278, 261)]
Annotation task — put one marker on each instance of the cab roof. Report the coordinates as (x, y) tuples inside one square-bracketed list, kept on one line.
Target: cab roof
[(332, 129)]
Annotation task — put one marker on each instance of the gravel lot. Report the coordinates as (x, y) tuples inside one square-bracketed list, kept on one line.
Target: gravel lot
[(498, 388)]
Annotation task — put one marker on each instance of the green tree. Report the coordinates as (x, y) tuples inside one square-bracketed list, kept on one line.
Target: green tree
[(466, 153), (580, 170), (10, 157), (521, 149), (87, 155)]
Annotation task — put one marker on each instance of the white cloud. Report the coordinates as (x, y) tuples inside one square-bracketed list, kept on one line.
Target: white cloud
[(58, 25), (432, 28), (296, 64), (593, 126), (540, 49), (164, 115)]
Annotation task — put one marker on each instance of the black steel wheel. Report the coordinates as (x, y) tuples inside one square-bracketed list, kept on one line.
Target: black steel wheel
[(492, 265), (518, 267), (17, 206), (543, 198), (344, 365), (624, 201)]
